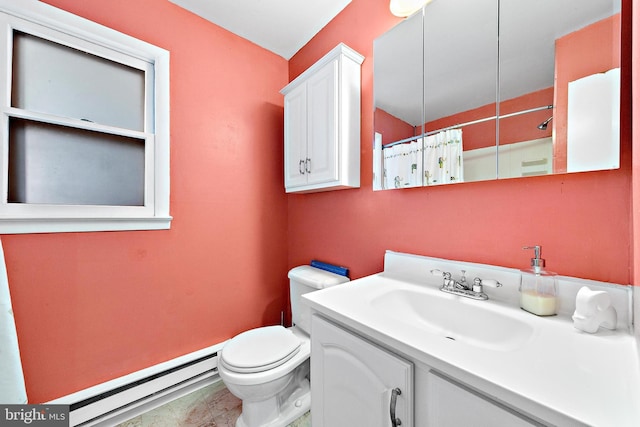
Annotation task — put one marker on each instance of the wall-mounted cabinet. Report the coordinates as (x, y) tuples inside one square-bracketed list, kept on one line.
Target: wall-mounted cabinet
[(322, 124), (459, 98)]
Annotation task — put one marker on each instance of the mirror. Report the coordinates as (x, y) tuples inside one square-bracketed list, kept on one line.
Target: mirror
[(398, 112), (453, 104)]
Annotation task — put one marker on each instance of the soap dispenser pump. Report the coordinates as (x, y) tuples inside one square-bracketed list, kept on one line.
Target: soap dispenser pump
[(538, 287)]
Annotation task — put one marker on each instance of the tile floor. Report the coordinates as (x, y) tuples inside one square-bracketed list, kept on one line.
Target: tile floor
[(211, 406)]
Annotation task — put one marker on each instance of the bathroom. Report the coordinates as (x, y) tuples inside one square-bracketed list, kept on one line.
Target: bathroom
[(92, 307)]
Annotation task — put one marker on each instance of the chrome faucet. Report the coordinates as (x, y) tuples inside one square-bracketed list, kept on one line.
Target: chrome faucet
[(462, 287)]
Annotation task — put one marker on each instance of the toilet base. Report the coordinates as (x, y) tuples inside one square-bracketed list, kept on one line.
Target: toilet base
[(295, 406)]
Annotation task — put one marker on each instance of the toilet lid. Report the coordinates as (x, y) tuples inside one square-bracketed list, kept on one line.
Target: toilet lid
[(260, 349)]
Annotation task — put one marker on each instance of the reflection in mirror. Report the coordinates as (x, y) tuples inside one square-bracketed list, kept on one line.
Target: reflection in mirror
[(436, 74), (558, 76), (460, 79), (564, 54), (398, 114)]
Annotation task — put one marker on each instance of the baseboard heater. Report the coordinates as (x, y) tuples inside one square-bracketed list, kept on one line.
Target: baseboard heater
[(124, 398)]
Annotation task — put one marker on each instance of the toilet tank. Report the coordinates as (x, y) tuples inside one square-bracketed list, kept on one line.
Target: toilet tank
[(305, 279)]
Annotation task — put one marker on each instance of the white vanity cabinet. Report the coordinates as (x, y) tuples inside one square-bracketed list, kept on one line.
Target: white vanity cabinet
[(322, 124), (356, 383), (353, 383), (452, 404), (469, 367)]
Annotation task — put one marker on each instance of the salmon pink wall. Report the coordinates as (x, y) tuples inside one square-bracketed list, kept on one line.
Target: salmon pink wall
[(392, 128), (581, 220), (90, 307), (513, 129), (524, 127)]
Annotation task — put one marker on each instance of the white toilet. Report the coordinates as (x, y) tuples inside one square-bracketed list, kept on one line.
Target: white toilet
[(268, 368)]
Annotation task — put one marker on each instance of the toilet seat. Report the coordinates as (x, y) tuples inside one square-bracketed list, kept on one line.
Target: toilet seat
[(259, 350)]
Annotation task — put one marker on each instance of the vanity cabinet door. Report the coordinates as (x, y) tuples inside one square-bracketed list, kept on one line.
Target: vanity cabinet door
[(355, 383), (451, 404)]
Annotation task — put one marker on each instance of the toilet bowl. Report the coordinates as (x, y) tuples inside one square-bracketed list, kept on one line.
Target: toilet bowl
[(276, 391), (268, 368)]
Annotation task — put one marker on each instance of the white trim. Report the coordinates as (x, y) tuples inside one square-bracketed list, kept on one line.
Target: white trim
[(86, 35), (65, 225), (153, 402), (52, 119), (52, 17), (83, 43), (340, 49), (172, 384)]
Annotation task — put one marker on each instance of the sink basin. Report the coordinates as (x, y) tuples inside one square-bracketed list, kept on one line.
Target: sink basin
[(454, 318)]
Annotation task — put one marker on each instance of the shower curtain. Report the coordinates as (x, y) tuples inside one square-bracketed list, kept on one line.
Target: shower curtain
[(12, 388), (443, 158), (403, 165)]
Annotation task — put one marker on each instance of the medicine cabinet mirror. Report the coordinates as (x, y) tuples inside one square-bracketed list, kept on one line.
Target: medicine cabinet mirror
[(470, 90)]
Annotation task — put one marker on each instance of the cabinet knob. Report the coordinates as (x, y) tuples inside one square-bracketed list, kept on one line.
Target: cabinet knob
[(301, 169), (307, 165)]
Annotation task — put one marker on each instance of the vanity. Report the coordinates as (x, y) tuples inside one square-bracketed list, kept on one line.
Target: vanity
[(391, 349)]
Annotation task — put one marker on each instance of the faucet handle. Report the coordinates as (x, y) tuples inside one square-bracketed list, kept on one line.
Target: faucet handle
[(441, 273), (447, 282), (491, 283), (478, 283)]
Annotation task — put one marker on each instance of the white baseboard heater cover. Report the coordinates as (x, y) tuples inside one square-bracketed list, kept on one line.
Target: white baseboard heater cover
[(124, 397)]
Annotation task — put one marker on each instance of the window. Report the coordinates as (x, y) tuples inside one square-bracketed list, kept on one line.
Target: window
[(84, 132)]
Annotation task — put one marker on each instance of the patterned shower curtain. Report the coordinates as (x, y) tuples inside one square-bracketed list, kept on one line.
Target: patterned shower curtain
[(403, 165), (443, 158)]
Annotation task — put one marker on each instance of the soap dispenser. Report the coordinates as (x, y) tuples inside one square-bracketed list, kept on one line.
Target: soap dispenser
[(538, 287)]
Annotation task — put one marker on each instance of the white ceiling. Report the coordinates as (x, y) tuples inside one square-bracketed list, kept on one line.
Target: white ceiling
[(281, 26)]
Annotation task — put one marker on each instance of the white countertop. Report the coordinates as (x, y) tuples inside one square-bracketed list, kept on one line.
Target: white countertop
[(562, 375)]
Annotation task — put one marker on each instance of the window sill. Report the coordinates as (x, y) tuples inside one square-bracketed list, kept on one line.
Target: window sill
[(67, 225)]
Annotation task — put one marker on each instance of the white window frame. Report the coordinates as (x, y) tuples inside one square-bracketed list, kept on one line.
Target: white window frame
[(47, 22)]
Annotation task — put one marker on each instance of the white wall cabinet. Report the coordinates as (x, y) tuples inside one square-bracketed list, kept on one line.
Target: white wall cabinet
[(322, 124), (356, 383)]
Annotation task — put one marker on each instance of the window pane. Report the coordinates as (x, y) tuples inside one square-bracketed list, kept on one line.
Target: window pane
[(60, 165), (51, 78)]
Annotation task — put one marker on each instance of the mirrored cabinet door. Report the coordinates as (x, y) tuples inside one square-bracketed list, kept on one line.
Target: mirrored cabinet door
[(460, 80), (398, 99), (559, 86)]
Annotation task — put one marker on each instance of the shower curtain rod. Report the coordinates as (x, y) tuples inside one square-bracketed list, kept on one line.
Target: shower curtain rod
[(459, 125)]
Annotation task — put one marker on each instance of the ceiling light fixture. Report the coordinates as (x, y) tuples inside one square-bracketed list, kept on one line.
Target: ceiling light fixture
[(403, 8)]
